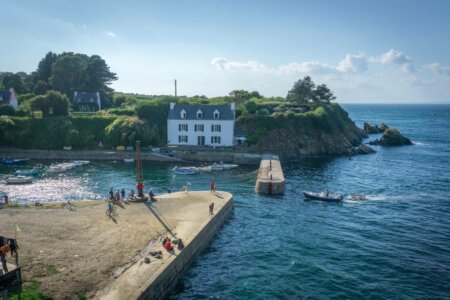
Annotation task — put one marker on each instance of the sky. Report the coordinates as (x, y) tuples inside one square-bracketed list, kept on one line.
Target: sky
[(365, 51)]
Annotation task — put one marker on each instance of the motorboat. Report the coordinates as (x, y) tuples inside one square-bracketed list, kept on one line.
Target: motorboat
[(27, 172), (80, 162), (229, 166), (217, 167), (323, 196), (59, 168), (185, 170), (18, 179), (204, 169), (356, 197), (128, 160), (17, 161)]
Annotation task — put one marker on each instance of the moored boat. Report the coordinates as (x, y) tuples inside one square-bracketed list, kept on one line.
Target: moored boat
[(18, 179), (80, 162), (128, 160), (17, 161), (27, 172), (185, 170), (229, 166), (217, 167), (323, 196)]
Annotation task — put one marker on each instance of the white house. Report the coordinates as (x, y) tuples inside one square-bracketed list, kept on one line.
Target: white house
[(211, 125), (8, 97)]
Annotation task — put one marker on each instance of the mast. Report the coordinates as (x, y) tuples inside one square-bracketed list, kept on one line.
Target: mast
[(139, 174)]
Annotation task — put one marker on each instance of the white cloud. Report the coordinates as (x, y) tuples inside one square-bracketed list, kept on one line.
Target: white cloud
[(438, 69), (225, 64), (353, 63), (396, 57), (111, 34)]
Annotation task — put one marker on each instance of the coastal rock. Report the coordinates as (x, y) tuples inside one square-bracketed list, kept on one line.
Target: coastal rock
[(364, 149), (383, 127), (392, 137), (369, 129)]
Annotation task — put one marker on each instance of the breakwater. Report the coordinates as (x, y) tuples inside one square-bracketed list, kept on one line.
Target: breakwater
[(270, 180)]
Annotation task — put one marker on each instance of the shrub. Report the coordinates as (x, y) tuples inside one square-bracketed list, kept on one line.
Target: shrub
[(7, 110)]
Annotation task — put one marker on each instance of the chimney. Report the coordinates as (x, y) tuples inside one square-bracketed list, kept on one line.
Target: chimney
[(98, 101), (172, 105), (233, 106)]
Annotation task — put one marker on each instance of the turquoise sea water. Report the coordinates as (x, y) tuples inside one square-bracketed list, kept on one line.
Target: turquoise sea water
[(394, 245)]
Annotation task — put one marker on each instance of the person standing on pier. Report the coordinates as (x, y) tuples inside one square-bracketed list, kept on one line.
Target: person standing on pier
[(211, 209), (213, 187)]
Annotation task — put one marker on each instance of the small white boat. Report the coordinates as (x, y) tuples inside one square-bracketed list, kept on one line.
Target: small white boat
[(204, 169), (229, 166), (27, 172), (128, 160), (59, 168), (185, 170), (18, 179), (80, 162), (217, 167)]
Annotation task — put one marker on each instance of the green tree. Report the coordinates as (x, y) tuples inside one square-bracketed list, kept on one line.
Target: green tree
[(44, 70), (15, 81), (7, 110), (69, 73), (302, 92), (58, 102), (40, 103), (41, 88), (251, 106), (323, 94), (240, 96)]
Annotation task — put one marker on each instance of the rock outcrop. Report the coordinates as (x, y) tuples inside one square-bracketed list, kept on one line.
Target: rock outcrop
[(364, 149), (369, 129), (392, 137)]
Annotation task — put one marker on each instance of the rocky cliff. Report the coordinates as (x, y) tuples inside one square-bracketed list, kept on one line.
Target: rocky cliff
[(325, 131)]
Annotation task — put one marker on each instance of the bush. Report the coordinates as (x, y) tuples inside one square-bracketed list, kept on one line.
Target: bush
[(125, 111), (127, 130), (7, 110)]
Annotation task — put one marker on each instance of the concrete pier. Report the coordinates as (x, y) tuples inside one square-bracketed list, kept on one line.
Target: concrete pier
[(270, 179)]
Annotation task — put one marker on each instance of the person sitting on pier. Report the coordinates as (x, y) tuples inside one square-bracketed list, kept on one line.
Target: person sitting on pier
[(168, 245), (151, 195), (131, 194)]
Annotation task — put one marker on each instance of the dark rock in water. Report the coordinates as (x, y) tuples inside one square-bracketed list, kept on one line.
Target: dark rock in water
[(383, 127), (364, 149), (392, 137), (369, 129)]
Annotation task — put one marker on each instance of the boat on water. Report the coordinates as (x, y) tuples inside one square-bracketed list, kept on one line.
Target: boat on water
[(59, 168), (17, 161), (27, 172), (185, 170), (204, 169), (80, 162), (323, 196), (128, 160), (18, 179), (221, 166)]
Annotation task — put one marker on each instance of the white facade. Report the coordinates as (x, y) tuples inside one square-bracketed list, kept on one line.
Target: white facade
[(198, 128)]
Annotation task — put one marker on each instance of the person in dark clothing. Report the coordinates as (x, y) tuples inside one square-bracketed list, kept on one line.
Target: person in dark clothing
[(6, 199), (122, 192), (151, 195)]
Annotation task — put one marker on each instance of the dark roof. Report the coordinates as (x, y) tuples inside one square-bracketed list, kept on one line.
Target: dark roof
[(5, 95), (208, 112), (85, 98)]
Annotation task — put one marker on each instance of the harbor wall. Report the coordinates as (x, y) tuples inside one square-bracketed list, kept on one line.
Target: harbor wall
[(270, 180), (82, 155), (167, 278)]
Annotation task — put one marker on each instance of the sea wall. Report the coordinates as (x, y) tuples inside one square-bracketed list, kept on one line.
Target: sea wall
[(81, 154), (168, 276), (241, 158)]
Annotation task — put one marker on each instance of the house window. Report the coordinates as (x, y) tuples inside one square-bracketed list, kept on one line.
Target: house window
[(182, 139), (199, 114), (215, 140), (216, 114), (183, 114), (199, 127), (182, 127), (216, 128)]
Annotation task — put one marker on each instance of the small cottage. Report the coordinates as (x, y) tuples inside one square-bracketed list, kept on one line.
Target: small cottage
[(8, 97), (87, 102)]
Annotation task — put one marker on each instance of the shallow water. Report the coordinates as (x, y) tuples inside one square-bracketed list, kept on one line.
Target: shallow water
[(394, 245)]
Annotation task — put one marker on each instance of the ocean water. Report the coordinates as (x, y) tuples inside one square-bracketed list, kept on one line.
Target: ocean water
[(395, 245)]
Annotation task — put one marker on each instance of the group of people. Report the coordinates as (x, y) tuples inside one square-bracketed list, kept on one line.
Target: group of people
[(5, 200), (167, 244)]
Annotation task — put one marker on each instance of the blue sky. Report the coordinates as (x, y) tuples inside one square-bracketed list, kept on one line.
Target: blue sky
[(366, 51)]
